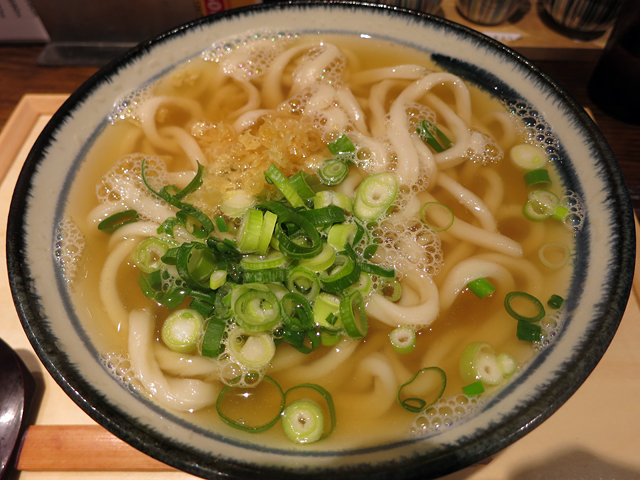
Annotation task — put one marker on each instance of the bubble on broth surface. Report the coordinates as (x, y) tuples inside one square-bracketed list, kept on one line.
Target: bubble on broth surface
[(68, 248)]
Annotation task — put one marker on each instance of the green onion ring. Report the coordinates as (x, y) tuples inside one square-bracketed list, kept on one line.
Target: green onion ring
[(353, 315), (257, 429), (529, 298), (416, 404), (296, 312), (327, 398)]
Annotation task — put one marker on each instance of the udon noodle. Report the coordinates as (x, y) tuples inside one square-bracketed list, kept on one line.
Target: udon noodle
[(433, 206)]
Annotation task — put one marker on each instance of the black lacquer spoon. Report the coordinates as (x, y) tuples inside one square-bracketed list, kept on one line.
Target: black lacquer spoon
[(17, 390)]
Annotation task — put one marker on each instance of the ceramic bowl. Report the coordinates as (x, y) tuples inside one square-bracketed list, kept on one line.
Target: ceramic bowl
[(598, 294)]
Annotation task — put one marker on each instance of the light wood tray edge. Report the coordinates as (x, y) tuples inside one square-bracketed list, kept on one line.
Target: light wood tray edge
[(23, 118)]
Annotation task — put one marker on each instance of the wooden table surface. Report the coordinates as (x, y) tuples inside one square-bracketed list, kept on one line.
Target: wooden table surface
[(19, 75)]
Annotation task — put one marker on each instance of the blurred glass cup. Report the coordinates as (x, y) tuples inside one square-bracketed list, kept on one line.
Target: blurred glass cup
[(487, 12), (583, 15)]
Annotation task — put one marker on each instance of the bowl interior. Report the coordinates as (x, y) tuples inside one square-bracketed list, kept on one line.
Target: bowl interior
[(604, 256)]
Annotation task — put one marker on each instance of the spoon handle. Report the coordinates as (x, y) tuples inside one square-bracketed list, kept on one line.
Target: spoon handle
[(81, 448)]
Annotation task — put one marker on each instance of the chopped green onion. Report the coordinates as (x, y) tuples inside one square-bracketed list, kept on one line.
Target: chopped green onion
[(364, 284), (540, 205), (340, 234), (326, 312), (481, 287), (320, 262), (296, 312), (265, 275), (479, 362), (473, 389), (303, 421), (554, 255), (250, 230), (560, 213), (437, 216), (327, 198), (507, 364), (172, 297), (149, 252), (378, 270), (325, 215), (217, 279), (221, 224), (282, 183), (203, 307), (433, 136), (256, 308), (529, 332), (287, 243), (269, 221), (254, 350), (343, 273), (250, 399), (528, 157), (273, 259), (330, 339), (537, 178), (423, 390), (353, 315), (328, 400), (342, 146), (375, 195), (212, 341), (182, 329), (392, 290), (303, 281), (305, 184), (332, 172), (403, 340), (117, 220), (555, 301), (530, 308), (195, 264)]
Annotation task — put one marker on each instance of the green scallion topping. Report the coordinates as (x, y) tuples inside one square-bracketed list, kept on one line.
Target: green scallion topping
[(374, 196), (212, 341), (303, 421), (403, 340), (182, 329), (433, 136), (236, 405), (423, 390), (473, 389), (323, 394), (332, 172), (481, 287), (117, 220), (555, 301), (353, 315), (343, 146), (537, 178), (282, 183), (524, 307), (529, 332)]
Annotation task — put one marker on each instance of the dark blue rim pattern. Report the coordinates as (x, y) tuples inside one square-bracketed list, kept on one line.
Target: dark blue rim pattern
[(468, 450)]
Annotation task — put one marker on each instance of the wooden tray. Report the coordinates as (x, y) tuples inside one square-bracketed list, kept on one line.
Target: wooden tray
[(594, 435)]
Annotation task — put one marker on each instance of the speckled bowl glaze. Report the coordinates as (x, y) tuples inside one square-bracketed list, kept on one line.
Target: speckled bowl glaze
[(599, 290)]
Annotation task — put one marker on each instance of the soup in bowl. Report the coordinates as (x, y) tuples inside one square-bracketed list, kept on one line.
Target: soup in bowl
[(320, 239)]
